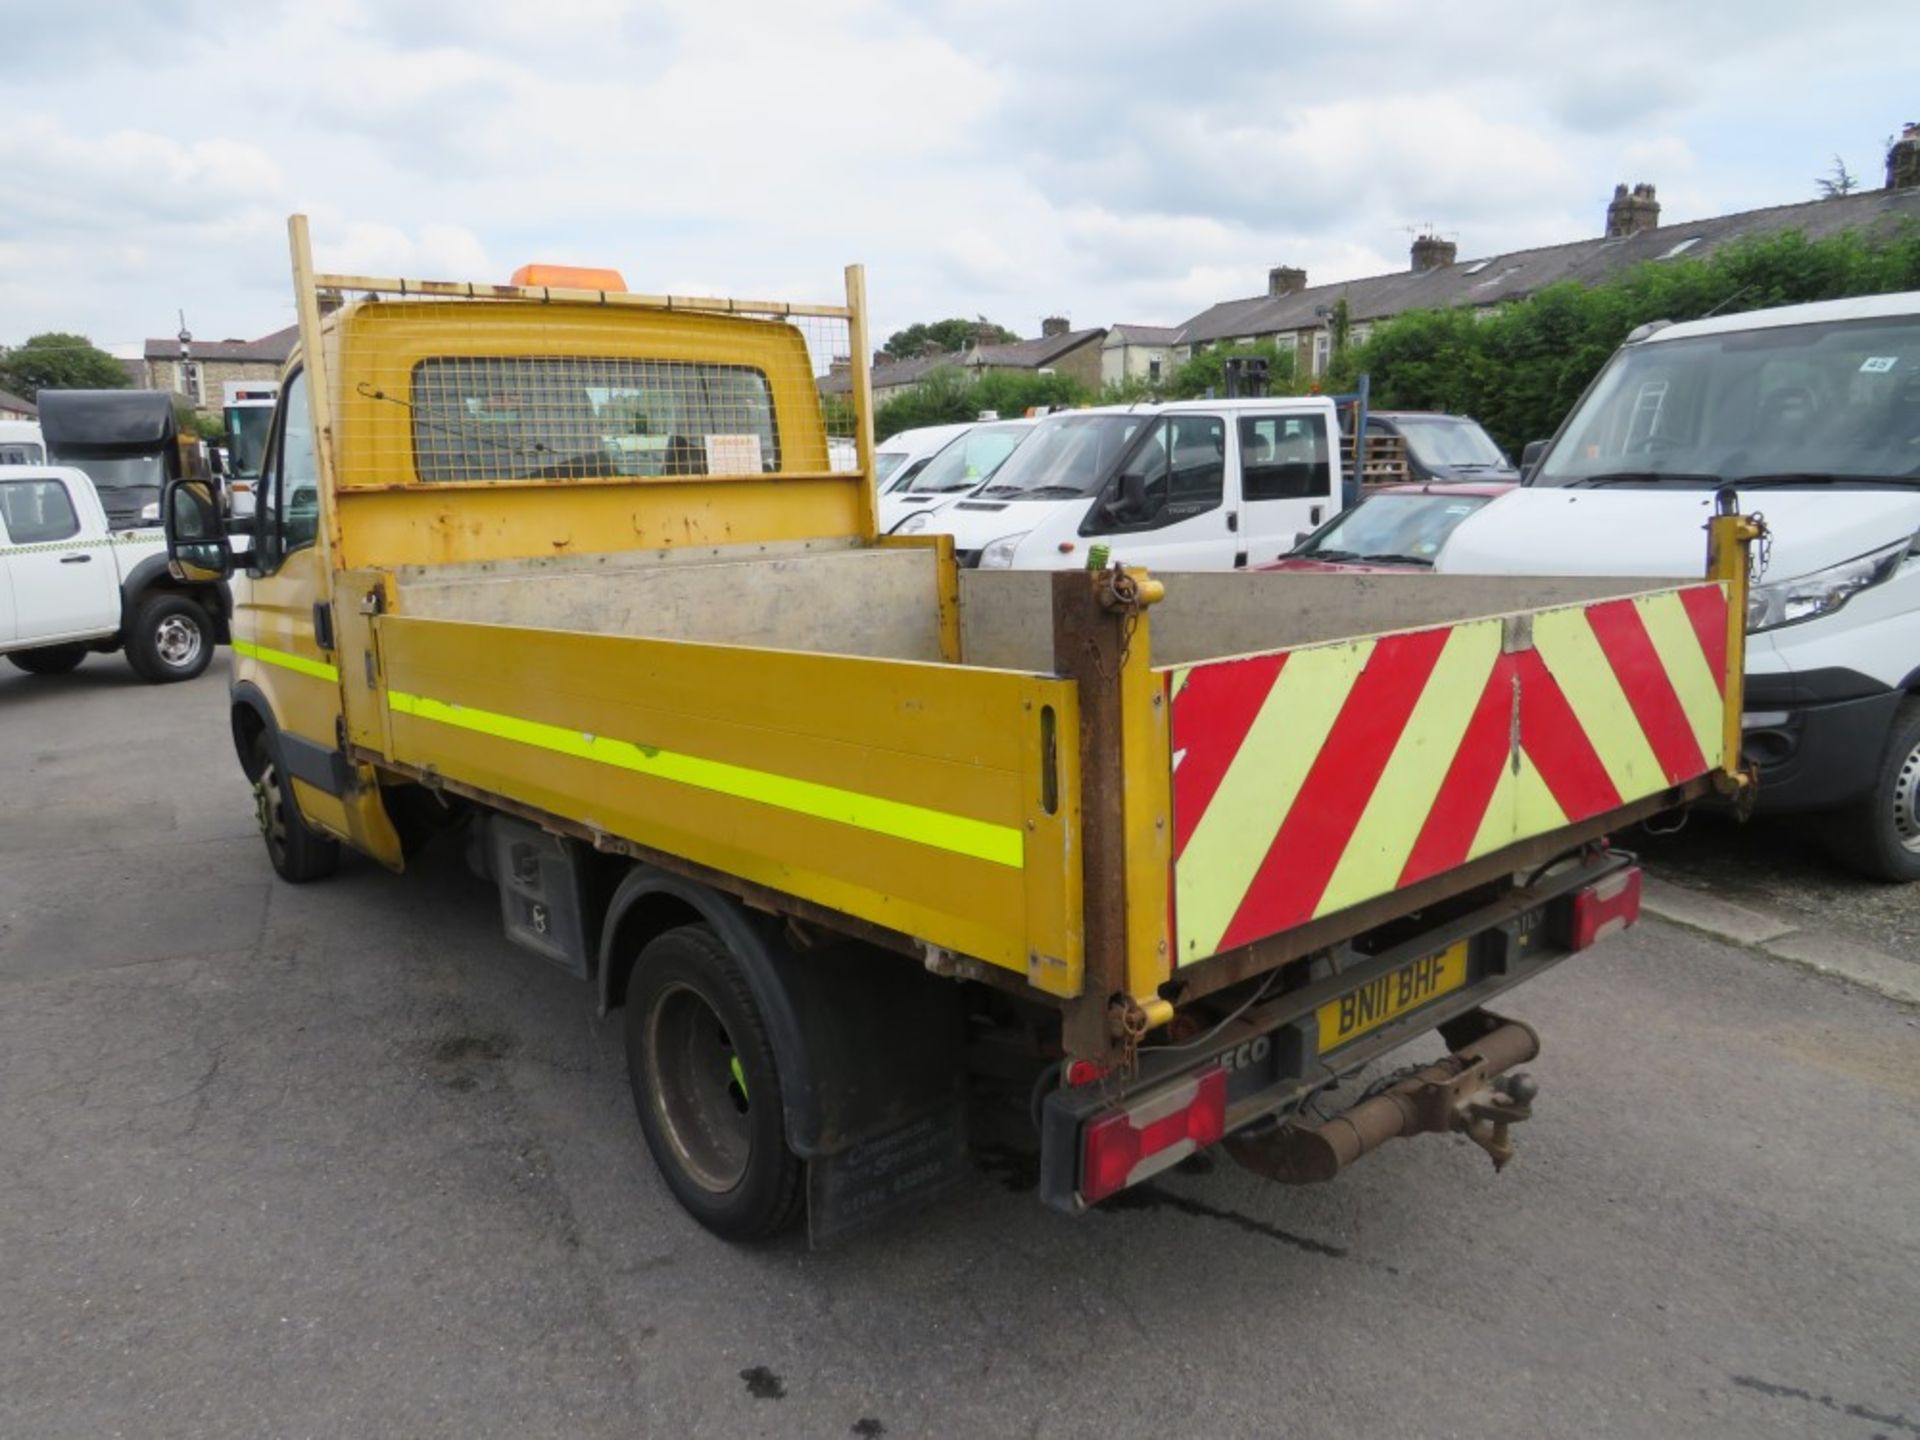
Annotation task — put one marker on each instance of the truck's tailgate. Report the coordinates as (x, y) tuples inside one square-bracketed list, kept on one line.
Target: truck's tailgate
[(1310, 780)]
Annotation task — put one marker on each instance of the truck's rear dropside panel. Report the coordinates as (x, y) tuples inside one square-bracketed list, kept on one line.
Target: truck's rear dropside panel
[(1311, 780)]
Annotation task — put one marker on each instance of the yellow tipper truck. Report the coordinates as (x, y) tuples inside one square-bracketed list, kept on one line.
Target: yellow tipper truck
[(849, 831)]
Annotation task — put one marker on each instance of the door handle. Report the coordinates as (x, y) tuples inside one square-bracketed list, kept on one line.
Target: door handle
[(1313, 515), (75, 559), (1233, 521)]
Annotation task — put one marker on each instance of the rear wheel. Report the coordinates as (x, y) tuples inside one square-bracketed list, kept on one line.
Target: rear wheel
[(169, 638), (49, 659), (1880, 834), (707, 1089), (299, 852)]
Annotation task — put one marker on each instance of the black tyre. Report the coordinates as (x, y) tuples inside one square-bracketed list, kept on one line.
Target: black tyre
[(299, 852), (1880, 835), (169, 638), (49, 659), (707, 1089)]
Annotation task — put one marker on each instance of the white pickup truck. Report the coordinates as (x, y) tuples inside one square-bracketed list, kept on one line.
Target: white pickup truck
[(70, 585)]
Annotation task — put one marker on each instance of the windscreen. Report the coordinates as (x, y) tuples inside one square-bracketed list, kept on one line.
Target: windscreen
[(968, 459), (1454, 442), (885, 462), (1839, 400), (120, 474), (1066, 456), (21, 452), (1392, 529), (247, 427)]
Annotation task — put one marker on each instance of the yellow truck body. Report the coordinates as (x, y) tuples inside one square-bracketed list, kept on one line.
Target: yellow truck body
[(1121, 803)]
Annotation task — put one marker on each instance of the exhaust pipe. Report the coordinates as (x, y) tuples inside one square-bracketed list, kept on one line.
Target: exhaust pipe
[(1466, 1091)]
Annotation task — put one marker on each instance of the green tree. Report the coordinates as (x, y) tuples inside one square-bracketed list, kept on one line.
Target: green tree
[(1837, 181), (945, 337), (189, 421), (948, 396), (1207, 370), (58, 361)]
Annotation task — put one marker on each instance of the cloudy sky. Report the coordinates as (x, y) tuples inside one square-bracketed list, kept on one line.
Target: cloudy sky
[(1115, 161)]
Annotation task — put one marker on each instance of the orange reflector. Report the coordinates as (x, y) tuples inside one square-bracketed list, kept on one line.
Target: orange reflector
[(569, 277)]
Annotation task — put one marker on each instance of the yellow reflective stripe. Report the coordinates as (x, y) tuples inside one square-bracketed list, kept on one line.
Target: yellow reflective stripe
[(287, 660), (958, 834)]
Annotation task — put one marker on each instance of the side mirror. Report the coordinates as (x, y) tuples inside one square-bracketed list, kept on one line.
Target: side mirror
[(196, 540), (1530, 456)]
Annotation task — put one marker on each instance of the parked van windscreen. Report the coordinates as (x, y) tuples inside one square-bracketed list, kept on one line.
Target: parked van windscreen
[(1066, 456), (1818, 403), (967, 460)]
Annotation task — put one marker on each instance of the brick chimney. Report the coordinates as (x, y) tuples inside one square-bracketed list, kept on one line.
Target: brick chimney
[(1632, 211), (840, 365), (1430, 252), (1285, 280), (881, 357), (1054, 325), (1903, 159)]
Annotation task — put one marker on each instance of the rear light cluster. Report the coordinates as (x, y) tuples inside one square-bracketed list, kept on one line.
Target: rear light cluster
[(1153, 1133), (1601, 908)]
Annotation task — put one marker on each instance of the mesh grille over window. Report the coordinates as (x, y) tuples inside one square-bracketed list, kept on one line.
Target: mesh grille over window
[(581, 417)]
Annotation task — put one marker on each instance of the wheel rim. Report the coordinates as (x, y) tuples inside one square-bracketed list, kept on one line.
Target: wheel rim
[(1906, 801), (269, 812), (698, 1089), (177, 639)]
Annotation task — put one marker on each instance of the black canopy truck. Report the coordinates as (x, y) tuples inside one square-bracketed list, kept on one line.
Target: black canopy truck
[(126, 442)]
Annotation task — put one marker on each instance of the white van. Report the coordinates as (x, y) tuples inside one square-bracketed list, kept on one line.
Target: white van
[(1811, 415), (902, 455), (1189, 485), (964, 463), (21, 443)]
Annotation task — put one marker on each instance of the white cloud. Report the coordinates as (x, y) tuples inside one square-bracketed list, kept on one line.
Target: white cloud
[(1114, 162)]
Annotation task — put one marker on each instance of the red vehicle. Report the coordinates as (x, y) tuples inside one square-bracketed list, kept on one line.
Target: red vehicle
[(1399, 527)]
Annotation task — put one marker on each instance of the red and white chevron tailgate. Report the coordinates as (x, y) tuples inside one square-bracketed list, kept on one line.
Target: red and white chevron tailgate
[(1309, 780)]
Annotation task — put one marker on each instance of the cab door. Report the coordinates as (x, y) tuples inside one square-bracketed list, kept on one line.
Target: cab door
[(1286, 481), (1169, 506), (282, 639), (59, 564)]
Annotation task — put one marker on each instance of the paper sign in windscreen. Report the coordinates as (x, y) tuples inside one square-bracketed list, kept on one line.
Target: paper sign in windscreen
[(733, 454)]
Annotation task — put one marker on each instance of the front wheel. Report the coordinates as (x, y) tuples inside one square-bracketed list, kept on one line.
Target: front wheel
[(705, 1084), (1880, 835), (299, 852), (169, 638), (49, 659)]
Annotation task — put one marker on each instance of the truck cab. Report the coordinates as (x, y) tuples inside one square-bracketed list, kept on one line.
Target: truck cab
[(70, 585), (125, 440), (21, 443)]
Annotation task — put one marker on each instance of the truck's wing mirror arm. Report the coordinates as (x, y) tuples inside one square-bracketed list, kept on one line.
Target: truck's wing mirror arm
[(196, 538)]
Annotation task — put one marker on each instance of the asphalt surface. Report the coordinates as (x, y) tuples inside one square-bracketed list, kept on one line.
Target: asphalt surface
[(340, 1161)]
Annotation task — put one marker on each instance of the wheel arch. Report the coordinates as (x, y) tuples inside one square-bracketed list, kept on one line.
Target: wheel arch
[(251, 717), (151, 577), (865, 1040)]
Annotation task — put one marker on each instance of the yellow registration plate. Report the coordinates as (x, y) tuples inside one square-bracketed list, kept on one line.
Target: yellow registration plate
[(1388, 997)]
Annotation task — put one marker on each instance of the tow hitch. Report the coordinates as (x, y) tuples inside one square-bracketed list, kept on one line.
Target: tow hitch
[(1466, 1091)]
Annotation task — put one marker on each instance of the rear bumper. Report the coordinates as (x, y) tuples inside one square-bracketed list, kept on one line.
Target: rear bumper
[(1271, 1054)]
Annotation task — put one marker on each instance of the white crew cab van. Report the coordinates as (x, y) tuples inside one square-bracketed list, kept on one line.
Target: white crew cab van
[(1187, 485), (69, 584), (1811, 415)]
